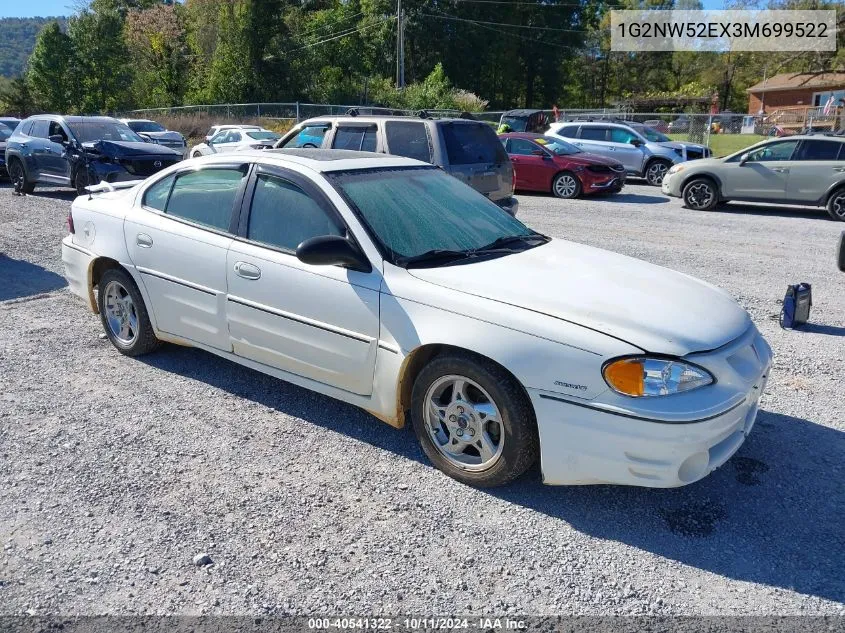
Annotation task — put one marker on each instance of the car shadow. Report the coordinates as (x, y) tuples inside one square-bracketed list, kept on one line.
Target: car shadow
[(634, 198), (772, 515), (818, 328), (20, 278), (745, 208), (54, 194)]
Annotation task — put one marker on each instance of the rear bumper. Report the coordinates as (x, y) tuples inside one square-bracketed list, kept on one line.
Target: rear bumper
[(77, 264), (511, 205)]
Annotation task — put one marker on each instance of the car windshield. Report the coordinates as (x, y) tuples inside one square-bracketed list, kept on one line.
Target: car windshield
[(556, 146), (515, 123), (146, 126), (413, 212), (5, 132), (91, 131), (653, 135), (263, 135)]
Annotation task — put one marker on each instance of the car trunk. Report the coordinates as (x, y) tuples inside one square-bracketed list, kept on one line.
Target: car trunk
[(476, 156)]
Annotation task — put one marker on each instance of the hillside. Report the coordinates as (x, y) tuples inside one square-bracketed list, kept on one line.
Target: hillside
[(17, 39)]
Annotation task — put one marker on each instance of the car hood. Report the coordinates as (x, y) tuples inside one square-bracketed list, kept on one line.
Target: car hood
[(127, 149), (167, 135), (681, 145), (585, 158), (656, 309)]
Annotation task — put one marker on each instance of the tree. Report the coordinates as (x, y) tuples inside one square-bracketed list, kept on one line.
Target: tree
[(16, 98), (50, 70), (155, 38)]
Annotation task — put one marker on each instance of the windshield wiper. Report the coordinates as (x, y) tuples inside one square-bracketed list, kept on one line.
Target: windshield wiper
[(437, 255), (508, 240), (440, 256)]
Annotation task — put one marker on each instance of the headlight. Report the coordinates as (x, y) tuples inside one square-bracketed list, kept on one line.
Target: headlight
[(676, 168), (640, 376)]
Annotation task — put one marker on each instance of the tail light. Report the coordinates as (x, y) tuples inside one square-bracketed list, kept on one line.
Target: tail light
[(71, 229)]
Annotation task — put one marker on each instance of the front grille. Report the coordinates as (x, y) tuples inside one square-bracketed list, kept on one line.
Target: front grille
[(175, 144), (618, 168), (145, 166), (599, 169)]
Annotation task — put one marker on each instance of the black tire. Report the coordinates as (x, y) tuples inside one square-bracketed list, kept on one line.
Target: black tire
[(701, 194), (195, 154), (17, 174), (144, 339), (310, 146), (566, 185), (81, 179), (836, 205), (655, 171), (516, 430)]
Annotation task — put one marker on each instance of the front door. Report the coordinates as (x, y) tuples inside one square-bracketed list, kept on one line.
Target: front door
[(622, 148), (178, 243), (533, 172), (319, 322), (764, 174)]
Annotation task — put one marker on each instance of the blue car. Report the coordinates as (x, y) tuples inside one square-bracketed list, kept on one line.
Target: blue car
[(75, 151)]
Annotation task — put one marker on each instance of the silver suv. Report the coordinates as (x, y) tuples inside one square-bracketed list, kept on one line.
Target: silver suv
[(641, 157), (468, 150), (806, 170)]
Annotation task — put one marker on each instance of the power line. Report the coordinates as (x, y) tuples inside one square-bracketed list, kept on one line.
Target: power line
[(515, 26), (327, 26), (343, 34)]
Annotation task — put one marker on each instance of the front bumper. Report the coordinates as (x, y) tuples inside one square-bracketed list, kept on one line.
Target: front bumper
[(511, 205), (77, 264), (597, 184), (671, 185), (582, 444)]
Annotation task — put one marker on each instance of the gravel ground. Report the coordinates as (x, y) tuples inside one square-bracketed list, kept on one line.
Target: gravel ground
[(116, 473)]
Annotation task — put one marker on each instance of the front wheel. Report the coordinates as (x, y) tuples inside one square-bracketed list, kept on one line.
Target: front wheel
[(473, 420), (836, 205), (124, 315), (17, 174), (566, 185), (655, 172), (81, 179), (701, 195)]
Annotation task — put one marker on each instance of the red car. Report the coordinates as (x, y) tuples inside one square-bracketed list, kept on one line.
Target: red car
[(543, 163)]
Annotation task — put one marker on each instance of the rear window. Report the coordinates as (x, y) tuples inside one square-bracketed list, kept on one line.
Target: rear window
[(594, 133), (206, 196), (358, 137), (471, 143), (819, 150), (406, 138), (40, 128), (569, 131)]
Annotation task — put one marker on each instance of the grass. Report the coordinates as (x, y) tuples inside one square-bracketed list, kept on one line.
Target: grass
[(724, 144)]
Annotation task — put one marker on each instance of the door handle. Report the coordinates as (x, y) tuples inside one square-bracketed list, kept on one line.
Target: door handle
[(247, 271), (781, 170), (839, 169), (143, 240)]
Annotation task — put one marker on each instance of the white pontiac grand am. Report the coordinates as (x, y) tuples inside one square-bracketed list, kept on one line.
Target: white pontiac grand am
[(386, 283)]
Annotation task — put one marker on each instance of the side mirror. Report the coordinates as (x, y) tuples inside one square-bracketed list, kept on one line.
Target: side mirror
[(57, 138), (539, 152), (332, 250), (840, 253), (744, 158)]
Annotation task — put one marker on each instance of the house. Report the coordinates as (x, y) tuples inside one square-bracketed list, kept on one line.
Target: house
[(795, 91)]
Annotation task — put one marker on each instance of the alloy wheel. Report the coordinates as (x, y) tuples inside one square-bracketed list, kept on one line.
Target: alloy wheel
[(121, 315), (566, 186), (700, 195), (464, 423), (837, 207), (655, 173)]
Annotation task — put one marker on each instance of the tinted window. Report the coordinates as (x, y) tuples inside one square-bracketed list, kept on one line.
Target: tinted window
[(521, 147), (469, 143), (40, 128), (263, 135), (5, 132), (569, 131), (283, 215), (156, 196), (408, 139), (146, 126), (88, 131), (514, 123), (206, 196), (309, 136), (56, 128), (26, 128), (773, 152), (594, 133), (621, 135), (819, 150), (358, 138)]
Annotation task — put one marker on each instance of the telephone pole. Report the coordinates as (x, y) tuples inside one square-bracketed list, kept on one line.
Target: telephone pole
[(400, 45)]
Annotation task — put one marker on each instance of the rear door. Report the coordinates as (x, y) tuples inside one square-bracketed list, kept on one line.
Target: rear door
[(408, 138), (39, 151), (816, 167), (359, 137), (476, 156), (594, 139)]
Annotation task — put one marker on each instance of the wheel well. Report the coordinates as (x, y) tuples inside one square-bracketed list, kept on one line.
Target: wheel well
[(833, 191), (97, 268), (423, 355), (653, 160), (712, 179)]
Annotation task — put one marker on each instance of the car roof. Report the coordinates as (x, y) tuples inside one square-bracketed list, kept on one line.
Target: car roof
[(526, 135), (373, 118), (521, 112), (74, 118), (321, 160)]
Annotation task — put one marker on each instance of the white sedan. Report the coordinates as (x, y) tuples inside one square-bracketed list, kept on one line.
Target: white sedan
[(386, 283), (236, 140)]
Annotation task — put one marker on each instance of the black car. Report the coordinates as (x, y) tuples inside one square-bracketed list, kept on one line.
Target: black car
[(75, 151), (5, 133), (534, 121)]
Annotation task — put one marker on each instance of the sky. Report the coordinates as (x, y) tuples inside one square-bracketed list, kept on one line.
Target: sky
[(33, 8)]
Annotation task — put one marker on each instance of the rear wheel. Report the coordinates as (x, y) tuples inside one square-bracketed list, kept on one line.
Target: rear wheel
[(81, 179), (701, 194), (566, 185), (473, 420), (17, 174), (655, 172), (836, 205), (124, 315)]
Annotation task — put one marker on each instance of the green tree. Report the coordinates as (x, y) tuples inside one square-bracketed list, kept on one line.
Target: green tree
[(156, 41), (50, 72), (16, 98)]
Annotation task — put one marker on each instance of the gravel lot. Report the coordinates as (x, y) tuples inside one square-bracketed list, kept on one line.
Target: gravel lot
[(115, 473)]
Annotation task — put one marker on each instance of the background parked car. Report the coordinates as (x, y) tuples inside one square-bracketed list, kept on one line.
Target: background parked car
[(544, 163), (681, 124), (689, 151), (214, 129), (641, 157), (525, 121), (236, 140), (5, 133), (10, 122), (157, 133), (468, 150), (75, 151), (806, 170), (657, 124)]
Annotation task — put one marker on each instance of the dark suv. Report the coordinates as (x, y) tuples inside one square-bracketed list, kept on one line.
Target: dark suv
[(75, 151), (468, 150)]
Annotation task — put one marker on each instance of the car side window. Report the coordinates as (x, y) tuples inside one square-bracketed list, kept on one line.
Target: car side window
[(234, 137), (309, 136), (284, 216), (773, 152), (621, 135), (206, 196), (406, 138), (521, 147), (819, 150), (57, 129), (220, 137), (568, 131), (40, 128), (593, 133), (355, 137), (156, 196)]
